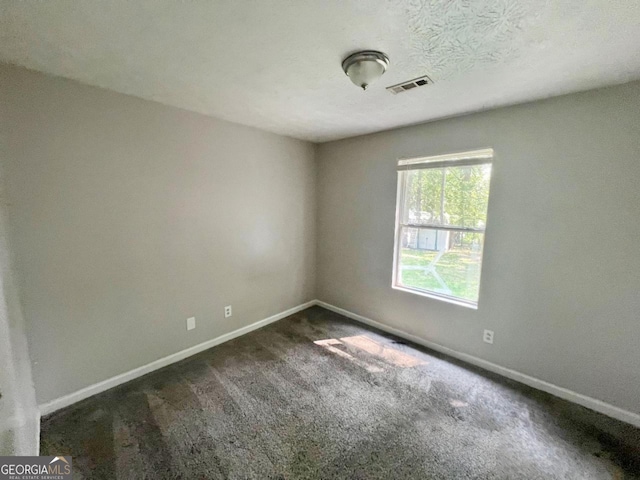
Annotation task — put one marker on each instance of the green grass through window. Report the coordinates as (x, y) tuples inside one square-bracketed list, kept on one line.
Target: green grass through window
[(459, 269)]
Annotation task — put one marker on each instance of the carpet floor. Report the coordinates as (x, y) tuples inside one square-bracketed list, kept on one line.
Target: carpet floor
[(317, 396)]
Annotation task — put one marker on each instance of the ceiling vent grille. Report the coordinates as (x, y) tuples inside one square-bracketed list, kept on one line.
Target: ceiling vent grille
[(410, 85)]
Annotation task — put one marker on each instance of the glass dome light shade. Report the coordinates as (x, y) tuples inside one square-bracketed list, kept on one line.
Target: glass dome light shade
[(364, 68)]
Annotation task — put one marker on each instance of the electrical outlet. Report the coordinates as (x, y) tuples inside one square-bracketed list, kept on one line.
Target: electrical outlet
[(191, 323), (227, 311), (488, 336)]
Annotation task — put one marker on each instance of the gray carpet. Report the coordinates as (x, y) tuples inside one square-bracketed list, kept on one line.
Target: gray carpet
[(356, 404)]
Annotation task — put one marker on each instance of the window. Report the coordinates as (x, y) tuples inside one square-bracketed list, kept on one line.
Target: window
[(440, 225)]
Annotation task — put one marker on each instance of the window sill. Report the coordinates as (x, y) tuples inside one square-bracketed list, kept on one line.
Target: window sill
[(435, 296)]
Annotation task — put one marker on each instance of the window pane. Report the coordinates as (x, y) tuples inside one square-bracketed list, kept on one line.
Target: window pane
[(451, 196), (441, 261), (423, 196)]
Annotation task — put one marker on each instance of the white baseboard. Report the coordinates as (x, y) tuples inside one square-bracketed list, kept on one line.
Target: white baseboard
[(65, 401), (36, 433), (580, 399)]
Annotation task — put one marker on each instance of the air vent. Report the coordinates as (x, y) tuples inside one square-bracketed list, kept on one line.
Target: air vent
[(404, 86)]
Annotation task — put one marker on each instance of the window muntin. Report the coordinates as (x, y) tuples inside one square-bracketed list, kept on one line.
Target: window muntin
[(441, 219)]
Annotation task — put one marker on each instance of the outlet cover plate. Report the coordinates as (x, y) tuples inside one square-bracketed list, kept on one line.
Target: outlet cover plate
[(191, 323), (487, 337)]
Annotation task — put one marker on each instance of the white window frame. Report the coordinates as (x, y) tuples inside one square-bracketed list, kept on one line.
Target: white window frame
[(473, 157)]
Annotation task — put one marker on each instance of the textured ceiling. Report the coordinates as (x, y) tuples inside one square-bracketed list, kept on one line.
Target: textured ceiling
[(275, 64)]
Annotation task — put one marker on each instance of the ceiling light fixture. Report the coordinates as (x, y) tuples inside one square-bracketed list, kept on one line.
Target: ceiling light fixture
[(364, 68)]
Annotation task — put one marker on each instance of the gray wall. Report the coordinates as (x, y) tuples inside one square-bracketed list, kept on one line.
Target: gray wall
[(128, 216), (561, 276)]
